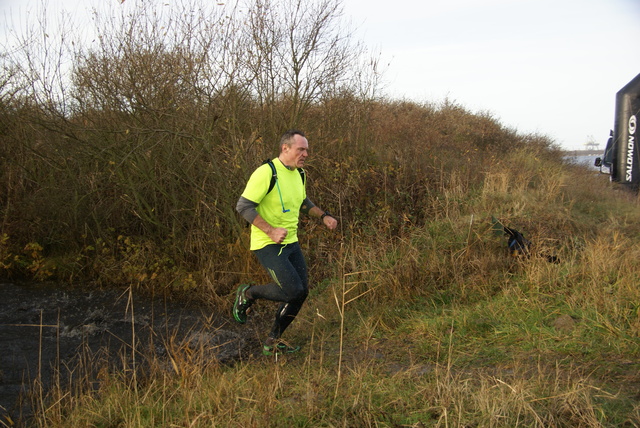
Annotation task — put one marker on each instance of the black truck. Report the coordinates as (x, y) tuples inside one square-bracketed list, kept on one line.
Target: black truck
[(621, 153)]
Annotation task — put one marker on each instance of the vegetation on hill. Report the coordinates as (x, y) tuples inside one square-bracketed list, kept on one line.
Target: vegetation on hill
[(128, 174)]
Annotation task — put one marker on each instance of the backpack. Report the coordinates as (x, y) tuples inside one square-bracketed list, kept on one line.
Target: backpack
[(274, 175), (518, 244)]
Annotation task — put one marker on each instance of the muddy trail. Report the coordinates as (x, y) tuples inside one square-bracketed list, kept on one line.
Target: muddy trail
[(48, 330)]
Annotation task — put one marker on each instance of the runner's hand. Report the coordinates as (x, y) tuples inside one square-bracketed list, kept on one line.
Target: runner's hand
[(330, 222), (277, 234)]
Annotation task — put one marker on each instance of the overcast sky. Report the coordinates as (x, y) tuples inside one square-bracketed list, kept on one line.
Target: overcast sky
[(547, 66)]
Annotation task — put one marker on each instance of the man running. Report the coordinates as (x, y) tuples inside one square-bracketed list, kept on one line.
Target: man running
[(272, 201)]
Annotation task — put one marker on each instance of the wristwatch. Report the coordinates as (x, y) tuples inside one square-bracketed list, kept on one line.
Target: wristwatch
[(324, 214)]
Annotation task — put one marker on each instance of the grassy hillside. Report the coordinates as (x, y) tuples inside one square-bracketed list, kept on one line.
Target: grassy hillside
[(419, 316), (434, 325)]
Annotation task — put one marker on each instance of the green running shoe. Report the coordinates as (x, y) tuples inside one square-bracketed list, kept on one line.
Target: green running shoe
[(279, 349), (241, 304)]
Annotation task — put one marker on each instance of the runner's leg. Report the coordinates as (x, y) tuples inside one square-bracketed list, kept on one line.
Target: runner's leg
[(289, 271)]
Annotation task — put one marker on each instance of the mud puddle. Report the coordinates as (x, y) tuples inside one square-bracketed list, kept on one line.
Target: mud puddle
[(44, 328)]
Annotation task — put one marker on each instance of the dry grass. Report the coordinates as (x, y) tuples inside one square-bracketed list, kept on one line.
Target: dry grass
[(438, 327), (419, 318)]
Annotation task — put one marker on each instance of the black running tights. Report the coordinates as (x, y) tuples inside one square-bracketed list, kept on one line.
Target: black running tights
[(288, 269)]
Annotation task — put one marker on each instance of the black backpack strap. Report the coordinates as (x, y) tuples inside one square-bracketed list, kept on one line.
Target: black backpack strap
[(274, 175)]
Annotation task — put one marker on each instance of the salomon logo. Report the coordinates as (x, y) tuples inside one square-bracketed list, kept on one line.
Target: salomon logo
[(630, 147)]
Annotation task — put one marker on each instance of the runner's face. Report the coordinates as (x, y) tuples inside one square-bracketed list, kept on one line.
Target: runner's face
[(297, 153)]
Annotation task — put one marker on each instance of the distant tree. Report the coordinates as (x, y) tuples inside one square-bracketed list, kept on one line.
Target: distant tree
[(297, 55)]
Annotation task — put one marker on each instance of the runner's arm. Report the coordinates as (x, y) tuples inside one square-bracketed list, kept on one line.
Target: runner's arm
[(306, 206), (327, 219), (247, 210)]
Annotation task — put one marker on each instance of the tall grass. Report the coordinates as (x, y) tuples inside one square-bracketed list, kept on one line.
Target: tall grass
[(437, 326), (419, 316)]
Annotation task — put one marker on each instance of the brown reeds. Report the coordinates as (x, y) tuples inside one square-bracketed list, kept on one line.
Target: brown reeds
[(419, 317)]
